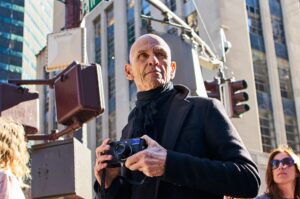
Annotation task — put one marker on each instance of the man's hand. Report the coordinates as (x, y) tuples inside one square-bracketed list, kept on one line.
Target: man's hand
[(100, 165), (150, 161)]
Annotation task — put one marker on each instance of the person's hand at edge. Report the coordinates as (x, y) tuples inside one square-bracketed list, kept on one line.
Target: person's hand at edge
[(100, 165)]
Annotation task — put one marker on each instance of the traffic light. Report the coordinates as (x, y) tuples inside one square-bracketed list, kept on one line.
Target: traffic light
[(20, 104), (213, 89), (237, 97), (78, 97)]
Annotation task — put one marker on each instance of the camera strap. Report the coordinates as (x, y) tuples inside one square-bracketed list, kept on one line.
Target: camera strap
[(102, 187), (133, 182), (130, 181)]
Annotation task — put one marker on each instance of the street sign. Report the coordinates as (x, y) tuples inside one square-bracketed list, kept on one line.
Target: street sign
[(64, 47), (89, 5)]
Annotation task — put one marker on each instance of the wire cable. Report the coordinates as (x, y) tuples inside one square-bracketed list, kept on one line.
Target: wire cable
[(204, 26)]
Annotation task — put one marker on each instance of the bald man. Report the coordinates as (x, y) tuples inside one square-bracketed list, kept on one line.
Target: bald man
[(193, 150)]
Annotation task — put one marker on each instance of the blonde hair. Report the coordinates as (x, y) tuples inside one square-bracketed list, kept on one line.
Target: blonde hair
[(13, 149)]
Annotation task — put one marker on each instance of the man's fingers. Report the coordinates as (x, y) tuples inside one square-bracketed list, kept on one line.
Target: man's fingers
[(150, 142), (102, 148), (134, 159), (104, 158)]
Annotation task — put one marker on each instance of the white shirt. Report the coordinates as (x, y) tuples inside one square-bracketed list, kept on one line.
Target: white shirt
[(10, 187)]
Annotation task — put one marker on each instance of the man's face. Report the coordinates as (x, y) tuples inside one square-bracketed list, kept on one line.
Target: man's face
[(150, 63)]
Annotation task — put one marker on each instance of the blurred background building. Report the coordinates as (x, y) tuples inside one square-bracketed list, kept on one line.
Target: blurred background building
[(23, 29)]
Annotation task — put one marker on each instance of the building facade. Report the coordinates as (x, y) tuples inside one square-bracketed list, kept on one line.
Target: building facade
[(24, 26), (11, 39)]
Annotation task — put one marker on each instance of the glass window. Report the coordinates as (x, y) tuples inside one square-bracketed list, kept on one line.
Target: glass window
[(292, 134), (131, 39), (267, 130), (260, 71), (171, 4), (145, 10), (286, 87), (275, 7), (264, 100), (255, 26), (97, 25), (130, 23), (111, 73), (99, 137)]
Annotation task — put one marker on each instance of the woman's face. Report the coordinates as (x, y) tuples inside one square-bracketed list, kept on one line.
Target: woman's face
[(284, 169)]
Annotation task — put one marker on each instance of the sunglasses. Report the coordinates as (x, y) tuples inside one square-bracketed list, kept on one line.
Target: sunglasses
[(286, 162)]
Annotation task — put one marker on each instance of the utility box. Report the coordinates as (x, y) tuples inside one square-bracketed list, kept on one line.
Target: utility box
[(61, 169)]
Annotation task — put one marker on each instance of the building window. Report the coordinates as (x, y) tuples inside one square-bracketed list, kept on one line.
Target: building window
[(145, 10), (130, 23), (278, 29), (111, 74), (171, 4), (267, 130), (264, 100), (286, 87), (97, 27), (262, 84), (254, 24), (292, 135), (131, 39), (260, 71), (99, 135), (288, 104)]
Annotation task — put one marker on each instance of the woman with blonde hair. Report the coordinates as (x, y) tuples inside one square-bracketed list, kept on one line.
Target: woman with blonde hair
[(13, 159), (282, 175)]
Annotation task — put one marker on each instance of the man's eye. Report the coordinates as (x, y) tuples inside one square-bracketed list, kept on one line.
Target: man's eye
[(143, 55), (161, 54)]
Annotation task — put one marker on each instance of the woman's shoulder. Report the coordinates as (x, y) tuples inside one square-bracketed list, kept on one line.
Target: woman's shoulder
[(262, 197), (5, 173)]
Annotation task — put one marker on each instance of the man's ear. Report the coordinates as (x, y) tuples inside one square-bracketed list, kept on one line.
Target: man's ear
[(128, 74), (173, 69)]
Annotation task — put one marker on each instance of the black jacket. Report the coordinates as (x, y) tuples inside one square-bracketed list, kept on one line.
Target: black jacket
[(205, 156)]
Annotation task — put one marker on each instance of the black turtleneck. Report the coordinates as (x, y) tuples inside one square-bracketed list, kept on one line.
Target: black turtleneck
[(151, 111)]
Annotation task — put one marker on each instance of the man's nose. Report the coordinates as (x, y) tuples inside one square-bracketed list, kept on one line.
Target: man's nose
[(153, 60)]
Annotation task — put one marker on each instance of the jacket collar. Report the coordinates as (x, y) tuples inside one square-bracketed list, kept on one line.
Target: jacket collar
[(176, 116), (178, 111)]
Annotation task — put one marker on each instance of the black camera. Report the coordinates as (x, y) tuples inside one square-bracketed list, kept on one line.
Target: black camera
[(121, 150)]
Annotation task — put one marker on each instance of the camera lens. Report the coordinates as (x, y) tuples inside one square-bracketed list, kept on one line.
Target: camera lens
[(122, 151)]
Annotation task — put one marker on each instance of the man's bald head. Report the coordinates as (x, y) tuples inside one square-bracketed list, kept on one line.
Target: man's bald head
[(150, 63), (145, 42)]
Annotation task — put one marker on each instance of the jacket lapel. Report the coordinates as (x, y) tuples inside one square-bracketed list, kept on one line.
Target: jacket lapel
[(176, 116)]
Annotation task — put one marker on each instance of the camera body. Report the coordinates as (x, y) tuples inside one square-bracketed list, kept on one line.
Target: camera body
[(121, 150)]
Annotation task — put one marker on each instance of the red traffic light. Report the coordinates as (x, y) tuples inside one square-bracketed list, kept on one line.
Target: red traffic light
[(237, 97), (213, 89)]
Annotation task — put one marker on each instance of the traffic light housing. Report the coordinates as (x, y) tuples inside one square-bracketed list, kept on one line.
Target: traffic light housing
[(213, 89), (78, 97), (20, 104), (237, 97)]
